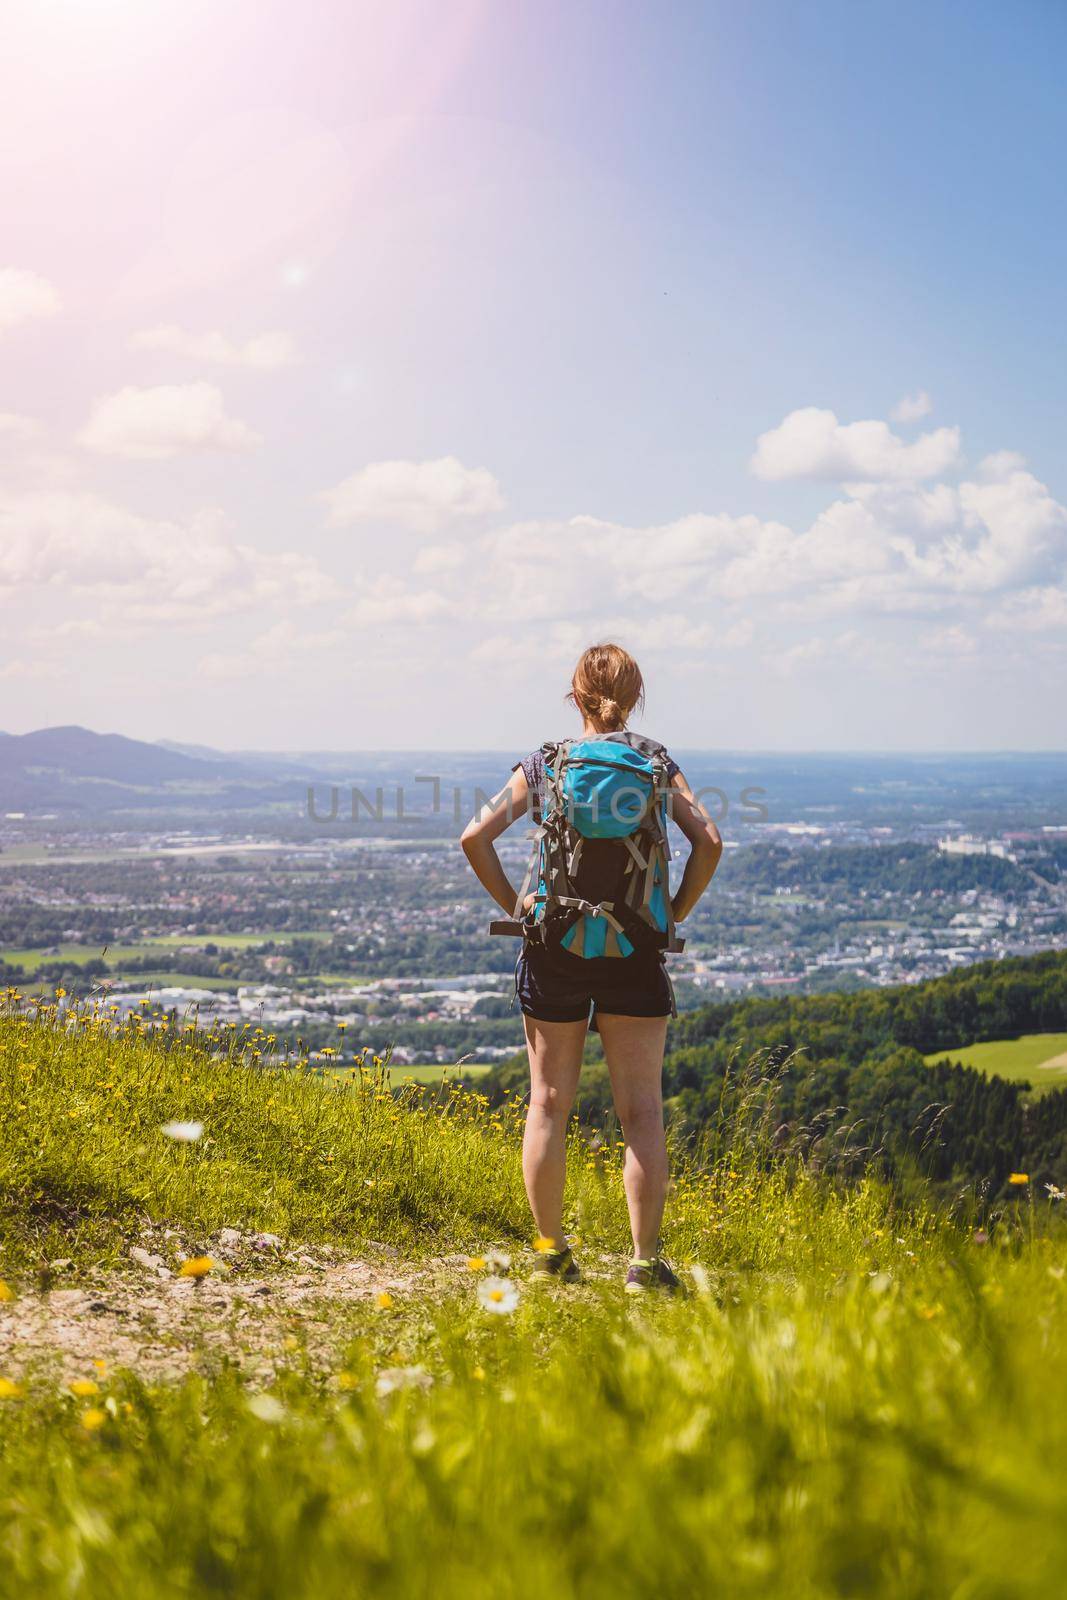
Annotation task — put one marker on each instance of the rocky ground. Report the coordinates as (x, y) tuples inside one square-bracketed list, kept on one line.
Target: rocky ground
[(147, 1316), (257, 1303)]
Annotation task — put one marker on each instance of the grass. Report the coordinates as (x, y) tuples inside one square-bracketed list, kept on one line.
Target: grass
[(145, 983), (162, 944), (434, 1076), (1031, 1058), (83, 1159), (860, 1399)]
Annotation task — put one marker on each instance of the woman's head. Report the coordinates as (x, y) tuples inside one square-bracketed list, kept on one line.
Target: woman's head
[(607, 686)]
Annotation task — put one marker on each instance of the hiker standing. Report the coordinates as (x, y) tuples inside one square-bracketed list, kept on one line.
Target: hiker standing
[(596, 918)]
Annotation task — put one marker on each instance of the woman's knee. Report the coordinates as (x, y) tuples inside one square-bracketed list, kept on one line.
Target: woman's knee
[(640, 1115), (550, 1100)]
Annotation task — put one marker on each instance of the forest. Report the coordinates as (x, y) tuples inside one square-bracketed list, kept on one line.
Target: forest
[(843, 1076)]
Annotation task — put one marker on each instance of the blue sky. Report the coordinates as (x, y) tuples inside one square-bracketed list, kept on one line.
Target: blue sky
[(353, 379)]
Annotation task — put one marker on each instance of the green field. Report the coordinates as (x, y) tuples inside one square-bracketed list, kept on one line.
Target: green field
[(861, 1399), (1038, 1058), (150, 983), (164, 944)]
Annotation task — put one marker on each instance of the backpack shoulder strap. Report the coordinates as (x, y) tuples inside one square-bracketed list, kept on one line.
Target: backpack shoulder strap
[(644, 745)]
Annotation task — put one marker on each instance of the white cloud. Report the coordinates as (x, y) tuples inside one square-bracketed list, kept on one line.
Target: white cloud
[(887, 549), (145, 570), (273, 653), (855, 649), (806, 653), (1041, 610), (440, 557), (556, 646), (738, 636), (15, 426), (953, 642), (25, 296), (1000, 465), (168, 420), (811, 443), (265, 352), (421, 495), (21, 670), (388, 600), (912, 407)]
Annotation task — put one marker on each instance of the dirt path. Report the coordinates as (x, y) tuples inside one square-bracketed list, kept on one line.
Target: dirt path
[(161, 1324)]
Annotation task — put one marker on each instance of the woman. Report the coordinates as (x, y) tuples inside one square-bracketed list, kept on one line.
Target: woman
[(630, 996)]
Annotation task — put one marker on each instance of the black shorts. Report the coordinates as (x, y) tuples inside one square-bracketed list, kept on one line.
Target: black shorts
[(554, 986)]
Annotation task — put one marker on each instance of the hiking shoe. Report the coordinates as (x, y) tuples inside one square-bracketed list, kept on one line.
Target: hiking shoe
[(652, 1273), (558, 1264)]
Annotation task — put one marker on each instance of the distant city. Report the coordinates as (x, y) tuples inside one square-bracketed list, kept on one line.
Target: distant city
[(373, 936)]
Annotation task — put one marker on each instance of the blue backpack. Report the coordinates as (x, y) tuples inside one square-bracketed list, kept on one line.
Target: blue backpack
[(600, 852)]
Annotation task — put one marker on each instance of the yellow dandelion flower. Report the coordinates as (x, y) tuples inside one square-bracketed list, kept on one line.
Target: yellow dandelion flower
[(347, 1380), (6, 1291), (93, 1418), (84, 1388), (543, 1244), (196, 1267), (1019, 1178), (476, 1263), (385, 1301), (9, 1389), (478, 1374)]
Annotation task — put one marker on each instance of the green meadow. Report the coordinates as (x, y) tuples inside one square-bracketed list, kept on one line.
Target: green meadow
[(160, 945), (861, 1396), (1039, 1058)]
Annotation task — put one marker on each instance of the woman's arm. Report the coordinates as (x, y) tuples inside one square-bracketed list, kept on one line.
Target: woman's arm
[(487, 825), (705, 841)]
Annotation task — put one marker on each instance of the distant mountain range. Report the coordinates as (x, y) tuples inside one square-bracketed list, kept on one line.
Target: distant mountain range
[(76, 772), (74, 769)]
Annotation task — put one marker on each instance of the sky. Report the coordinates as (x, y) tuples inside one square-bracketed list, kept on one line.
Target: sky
[(357, 370)]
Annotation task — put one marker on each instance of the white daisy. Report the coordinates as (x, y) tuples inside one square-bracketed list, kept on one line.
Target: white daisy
[(498, 1295)]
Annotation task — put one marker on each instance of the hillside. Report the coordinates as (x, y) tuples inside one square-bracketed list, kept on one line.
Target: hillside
[(845, 1073), (343, 1404), (898, 869), (75, 769), (74, 753)]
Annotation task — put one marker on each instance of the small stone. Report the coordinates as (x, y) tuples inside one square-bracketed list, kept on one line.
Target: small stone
[(61, 1264), (267, 1241), (145, 1258), (229, 1238)]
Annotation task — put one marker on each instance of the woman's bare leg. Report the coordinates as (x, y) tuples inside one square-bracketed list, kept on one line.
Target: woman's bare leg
[(555, 1051), (633, 1047)]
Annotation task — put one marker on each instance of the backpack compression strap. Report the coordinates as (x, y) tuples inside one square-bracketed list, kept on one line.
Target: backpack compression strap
[(515, 926)]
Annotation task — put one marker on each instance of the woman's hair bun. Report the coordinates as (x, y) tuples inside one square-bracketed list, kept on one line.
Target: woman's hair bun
[(607, 685)]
